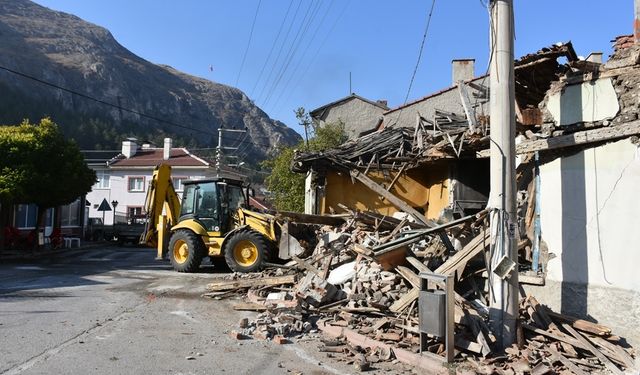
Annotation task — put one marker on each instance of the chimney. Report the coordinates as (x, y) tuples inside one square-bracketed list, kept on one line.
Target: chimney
[(595, 57), (166, 154), (129, 147), (383, 102), (462, 70)]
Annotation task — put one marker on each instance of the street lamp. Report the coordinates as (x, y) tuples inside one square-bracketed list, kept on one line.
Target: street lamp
[(114, 203)]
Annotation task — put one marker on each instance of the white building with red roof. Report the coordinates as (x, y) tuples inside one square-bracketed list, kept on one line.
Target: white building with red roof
[(123, 180)]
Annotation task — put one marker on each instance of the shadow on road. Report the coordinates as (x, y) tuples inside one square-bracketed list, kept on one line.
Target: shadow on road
[(45, 277)]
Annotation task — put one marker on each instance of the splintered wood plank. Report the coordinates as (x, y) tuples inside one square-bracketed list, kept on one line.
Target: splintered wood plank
[(581, 325), (592, 349), (556, 336), (394, 200), (306, 265), (421, 267), (249, 306), (567, 363), (409, 276), (456, 263), (540, 314), (578, 138), (468, 345), (405, 300), (248, 283), (622, 354)]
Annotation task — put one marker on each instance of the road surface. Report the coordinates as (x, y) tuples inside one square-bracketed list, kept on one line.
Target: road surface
[(114, 310)]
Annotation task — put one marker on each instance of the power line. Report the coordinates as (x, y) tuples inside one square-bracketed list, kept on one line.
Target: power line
[(424, 37), (304, 27), (304, 53), (284, 41), (285, 61), (302, 31), (315, 56), (246, 142), (275, 41), (85, 96), (253, 24), (415, 70)]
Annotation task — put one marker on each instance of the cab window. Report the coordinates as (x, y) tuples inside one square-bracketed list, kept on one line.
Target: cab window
[(187, 200), (207, 205), (236, 198)]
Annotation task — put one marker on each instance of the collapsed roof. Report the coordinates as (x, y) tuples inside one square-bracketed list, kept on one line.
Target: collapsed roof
[(456, 136)]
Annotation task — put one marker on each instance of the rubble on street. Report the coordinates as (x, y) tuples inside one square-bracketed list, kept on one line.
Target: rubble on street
[(358, 291)]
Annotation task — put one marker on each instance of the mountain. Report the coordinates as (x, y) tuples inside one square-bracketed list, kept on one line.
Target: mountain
[(64, 50)]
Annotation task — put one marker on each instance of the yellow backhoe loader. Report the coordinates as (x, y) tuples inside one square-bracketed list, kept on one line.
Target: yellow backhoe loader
[(212, 219)]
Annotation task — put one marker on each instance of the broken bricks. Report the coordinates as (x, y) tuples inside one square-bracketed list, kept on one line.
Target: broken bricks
[(374, 305)]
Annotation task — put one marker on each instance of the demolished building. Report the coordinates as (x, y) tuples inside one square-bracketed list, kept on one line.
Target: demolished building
[(578, 170)]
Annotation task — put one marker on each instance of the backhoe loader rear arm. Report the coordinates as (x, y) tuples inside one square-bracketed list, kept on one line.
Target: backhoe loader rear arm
[(160, 196)]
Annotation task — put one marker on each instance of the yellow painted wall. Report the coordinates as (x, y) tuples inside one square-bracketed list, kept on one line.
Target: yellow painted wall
[(424, 188)]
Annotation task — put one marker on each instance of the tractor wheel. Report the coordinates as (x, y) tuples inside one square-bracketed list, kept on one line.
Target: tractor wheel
[(246, 251), (185, 251)]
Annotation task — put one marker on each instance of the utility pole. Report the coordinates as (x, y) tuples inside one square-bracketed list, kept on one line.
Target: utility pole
[(503, 312), (636, 21), (220, 148)]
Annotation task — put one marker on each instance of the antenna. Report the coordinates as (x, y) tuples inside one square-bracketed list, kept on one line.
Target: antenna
[(350, 91)]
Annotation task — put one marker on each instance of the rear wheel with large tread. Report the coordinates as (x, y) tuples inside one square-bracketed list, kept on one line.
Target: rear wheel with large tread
[(246, 251), (186, 251)]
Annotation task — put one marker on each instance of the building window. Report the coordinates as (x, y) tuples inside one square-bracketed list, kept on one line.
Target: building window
[(178, 183), (27, 216), (135, 215), (136, 184), (103, 179), (70, 214)]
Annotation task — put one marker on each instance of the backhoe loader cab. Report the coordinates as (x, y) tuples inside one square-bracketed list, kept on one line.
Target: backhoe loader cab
[(211, 219), (213, 203)]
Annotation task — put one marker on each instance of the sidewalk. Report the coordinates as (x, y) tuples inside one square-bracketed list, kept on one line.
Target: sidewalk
[(29, 255)]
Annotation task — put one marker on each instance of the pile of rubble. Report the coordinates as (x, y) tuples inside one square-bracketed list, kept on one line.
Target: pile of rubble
[(360, 287)]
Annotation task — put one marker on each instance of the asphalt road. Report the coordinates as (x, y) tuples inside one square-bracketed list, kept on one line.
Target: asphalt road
[(117, 311)]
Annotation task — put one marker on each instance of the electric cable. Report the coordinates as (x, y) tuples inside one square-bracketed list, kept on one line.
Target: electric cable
[(88, 97), (244, 57)]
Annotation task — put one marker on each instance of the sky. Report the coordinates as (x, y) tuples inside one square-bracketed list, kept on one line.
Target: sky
[(301, 53)]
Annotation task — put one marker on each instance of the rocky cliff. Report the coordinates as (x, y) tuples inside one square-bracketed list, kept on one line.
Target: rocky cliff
[(64, 50)]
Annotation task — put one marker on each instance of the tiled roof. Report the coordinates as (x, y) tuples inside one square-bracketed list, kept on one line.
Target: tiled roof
[(179, 157), (99, 156)]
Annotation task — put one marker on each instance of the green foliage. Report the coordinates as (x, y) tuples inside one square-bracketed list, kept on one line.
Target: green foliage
[(40, 166), (287, 186)]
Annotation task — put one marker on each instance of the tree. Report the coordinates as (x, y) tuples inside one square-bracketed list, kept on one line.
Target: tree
[(40, 166), (287, 186)]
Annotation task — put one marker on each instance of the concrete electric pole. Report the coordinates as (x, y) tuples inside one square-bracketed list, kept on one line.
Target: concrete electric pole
[(504, 285), (636, 21), (220, 148)]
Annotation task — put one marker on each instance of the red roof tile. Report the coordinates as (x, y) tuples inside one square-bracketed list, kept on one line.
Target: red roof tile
[(151, 157)]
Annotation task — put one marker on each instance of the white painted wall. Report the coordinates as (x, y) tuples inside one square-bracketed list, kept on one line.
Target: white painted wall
[(589, 219), (118, 189), (590, 208), (586, 102)]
